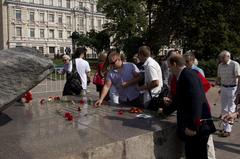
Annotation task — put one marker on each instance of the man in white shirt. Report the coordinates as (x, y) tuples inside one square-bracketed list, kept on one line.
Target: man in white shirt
[(227, 77), (82, 67), (153, 75)]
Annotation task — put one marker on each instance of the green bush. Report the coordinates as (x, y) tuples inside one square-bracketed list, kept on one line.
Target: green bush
[(209, 67)]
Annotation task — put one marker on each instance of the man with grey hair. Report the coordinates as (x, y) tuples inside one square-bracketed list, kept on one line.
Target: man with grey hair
[(190, 59), (228, 78)]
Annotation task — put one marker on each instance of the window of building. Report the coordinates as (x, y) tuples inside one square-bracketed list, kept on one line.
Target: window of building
[(68, 4), (41, 33), (81, 21), (18, 31), (99, 23), (41, 1), (68, 20), (41, 17), (92, 23), (60, 33), (51, 33), (51, 17), (40, 49), (34, 47), (31, 1), (80, 4), (69, 34), (60, 20), (51, 2), (52, 50), (92, 8), (60, 3), (31, 16), (18, 15), (61, 50), (32, 32)]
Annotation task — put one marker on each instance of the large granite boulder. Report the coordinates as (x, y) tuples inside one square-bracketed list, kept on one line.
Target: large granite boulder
[(20, 70)]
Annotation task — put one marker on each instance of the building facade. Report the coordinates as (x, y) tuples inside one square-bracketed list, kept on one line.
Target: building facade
[(46, 24)]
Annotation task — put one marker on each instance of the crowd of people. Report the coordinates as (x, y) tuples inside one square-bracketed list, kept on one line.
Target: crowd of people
[(137, 83)]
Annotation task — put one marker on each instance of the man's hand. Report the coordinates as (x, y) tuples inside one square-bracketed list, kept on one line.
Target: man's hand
[(124, 85), (190, 132), (229, 117), (167, 100), (98, 103)]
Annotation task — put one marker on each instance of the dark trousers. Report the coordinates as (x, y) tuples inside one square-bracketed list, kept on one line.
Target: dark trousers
[(133, 103), (196, 147)]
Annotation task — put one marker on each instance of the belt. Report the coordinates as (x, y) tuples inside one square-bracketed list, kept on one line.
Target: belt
[(229, 85)]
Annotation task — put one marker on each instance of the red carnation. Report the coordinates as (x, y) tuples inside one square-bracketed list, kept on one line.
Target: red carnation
[(82, 101), (56, 98), (42, 101), (67, 114), (120, 112), (70, 118)]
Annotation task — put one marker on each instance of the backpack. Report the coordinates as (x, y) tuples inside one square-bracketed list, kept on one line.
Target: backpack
[(73, 85)]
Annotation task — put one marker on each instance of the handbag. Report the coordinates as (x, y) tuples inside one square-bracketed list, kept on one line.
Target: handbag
[(74, 82), (157, 101), (97, 79), (206, 127)]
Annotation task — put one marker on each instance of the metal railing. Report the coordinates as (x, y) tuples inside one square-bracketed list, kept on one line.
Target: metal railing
[(54, 83)]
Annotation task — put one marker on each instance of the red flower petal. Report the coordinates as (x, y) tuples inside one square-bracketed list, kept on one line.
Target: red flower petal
[(70, 118), (42, 101), (82, 101), (120, 112)]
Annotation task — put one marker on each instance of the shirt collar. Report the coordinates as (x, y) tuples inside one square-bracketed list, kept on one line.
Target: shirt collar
[(228, 62), (147, 61)]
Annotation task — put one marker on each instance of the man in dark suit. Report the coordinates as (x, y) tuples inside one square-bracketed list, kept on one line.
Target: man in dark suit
[(192, 109)]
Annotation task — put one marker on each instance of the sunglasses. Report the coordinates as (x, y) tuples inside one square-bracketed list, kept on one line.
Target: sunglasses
[(113, 62)]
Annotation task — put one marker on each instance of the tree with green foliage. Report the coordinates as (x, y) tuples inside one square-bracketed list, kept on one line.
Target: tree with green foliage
[(127, 19), (98, 41), (202, 25)]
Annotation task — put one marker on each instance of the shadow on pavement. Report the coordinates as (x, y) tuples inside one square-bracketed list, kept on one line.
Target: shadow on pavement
[(234, 148)]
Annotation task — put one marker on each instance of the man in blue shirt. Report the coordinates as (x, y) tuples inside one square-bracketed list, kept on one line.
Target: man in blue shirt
[(124, 76), (190, 58)]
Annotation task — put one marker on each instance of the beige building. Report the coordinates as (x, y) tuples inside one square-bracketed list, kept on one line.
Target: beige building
[(46, 24)]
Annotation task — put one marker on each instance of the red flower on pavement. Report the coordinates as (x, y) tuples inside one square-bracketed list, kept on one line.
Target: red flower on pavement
[(120, 112), (135, 110), (42, 101), (28, 97), (56, 98), (82, 101), (67, 114), (70, 118)]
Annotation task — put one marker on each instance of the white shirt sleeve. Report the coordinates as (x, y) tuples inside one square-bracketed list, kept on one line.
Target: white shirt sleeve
[(70, 66), (152, 73)]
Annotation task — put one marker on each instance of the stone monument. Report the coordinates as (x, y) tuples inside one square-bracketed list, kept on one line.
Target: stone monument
[(21, 69)]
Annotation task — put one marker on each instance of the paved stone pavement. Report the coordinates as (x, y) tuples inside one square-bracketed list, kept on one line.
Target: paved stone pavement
[(226, 148)]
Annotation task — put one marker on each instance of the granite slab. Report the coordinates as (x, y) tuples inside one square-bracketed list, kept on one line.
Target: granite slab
[(41, 131)]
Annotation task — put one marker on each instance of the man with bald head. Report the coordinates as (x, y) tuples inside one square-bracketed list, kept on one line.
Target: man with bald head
[(124, 76), (228, 78)]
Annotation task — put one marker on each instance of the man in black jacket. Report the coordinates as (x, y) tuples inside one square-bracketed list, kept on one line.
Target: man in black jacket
[(192, 109)]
